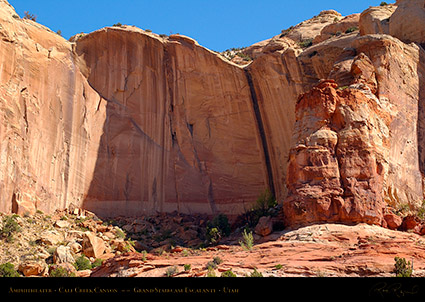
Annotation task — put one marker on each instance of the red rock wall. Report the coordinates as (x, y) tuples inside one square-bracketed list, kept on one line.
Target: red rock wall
[(180, 132)]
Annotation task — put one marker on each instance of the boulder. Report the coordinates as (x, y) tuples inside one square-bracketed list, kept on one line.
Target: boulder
[(50, 237), (33, 269), (62, 224), (393, 221), (376, 20), (63, 254), (93, 246), (411, 223), (407, 23), (264, 226)]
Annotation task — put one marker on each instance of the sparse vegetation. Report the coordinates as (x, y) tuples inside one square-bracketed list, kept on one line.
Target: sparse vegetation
[(264, 206), (284, 32), (10, 226), (29, 16), (306, 43), (351, 29), (210, 272), (217, 228), (214, 263), (171, 271), (247, 241), (421, 211), (256, 274), (117, 24), (82, 263), (383, 3), (403, 268), (8, 270), (187, 267), (60, 272), (244, 56), (228, 273)]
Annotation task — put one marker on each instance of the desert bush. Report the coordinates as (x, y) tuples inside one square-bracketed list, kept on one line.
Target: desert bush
[(60, 272), (172, 270), (403, 268), (306, 43), (247, 241), (256, 274), (228, 273), (217, 228), (29, 16), (351, 29), (244, 56), (82, 263), (264, 206), (8, 270), (10, 226)]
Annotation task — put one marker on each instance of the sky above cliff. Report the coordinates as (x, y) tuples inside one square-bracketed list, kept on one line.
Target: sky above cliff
[(217, 25)]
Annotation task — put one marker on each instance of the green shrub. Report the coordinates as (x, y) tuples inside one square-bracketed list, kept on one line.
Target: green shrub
[(172, 270), (217, 228), (228, 273), (8, 270), (421, 211), (10, 226), (117, 24), (248, 240), (403, 268), (82, 263), (244, 56), (211, 272), (306, 43), (383, 3), (96, 263), (265, 205), (351, 29), (256, 274), (187, 267), (60, 272)]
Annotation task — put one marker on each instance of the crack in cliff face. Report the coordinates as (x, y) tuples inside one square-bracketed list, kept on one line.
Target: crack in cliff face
[(261, 131)]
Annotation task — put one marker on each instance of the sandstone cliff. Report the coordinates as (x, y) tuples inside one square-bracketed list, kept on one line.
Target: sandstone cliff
[(124, 122), (49, 118)]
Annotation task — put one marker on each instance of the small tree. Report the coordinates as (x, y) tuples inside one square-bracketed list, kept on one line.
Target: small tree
[(29, 16), (403, 268)]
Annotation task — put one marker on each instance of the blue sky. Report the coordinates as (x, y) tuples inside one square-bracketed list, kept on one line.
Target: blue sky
[(218, 25)]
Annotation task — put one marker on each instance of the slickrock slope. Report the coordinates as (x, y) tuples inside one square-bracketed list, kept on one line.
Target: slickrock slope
[(326, 250)]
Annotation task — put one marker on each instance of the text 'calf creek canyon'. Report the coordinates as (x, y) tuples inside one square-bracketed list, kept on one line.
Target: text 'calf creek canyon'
[(328, 116)]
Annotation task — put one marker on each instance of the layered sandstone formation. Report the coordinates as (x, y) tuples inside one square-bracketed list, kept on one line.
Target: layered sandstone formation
[(180, 131), (124, 122)]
